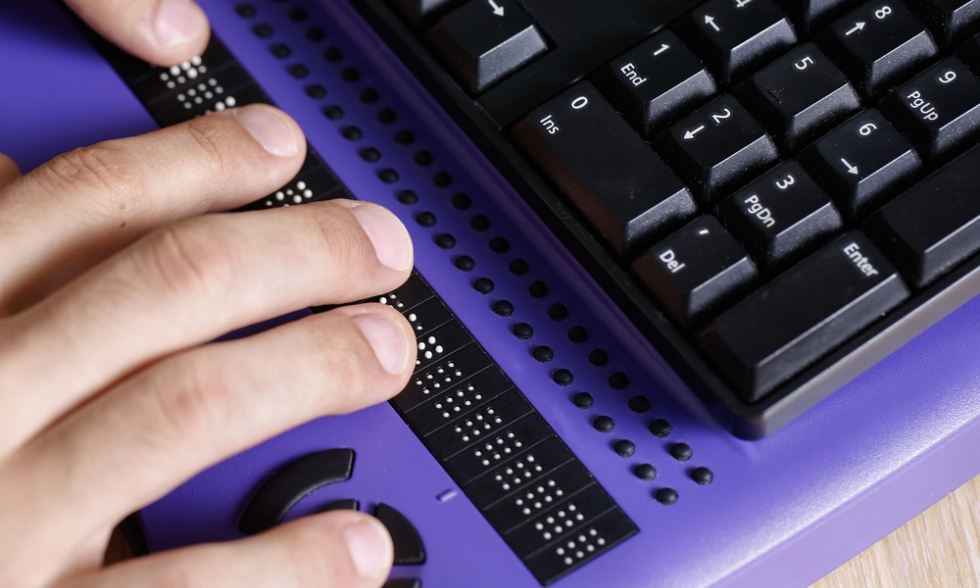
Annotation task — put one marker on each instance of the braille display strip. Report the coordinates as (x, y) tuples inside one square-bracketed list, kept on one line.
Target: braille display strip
[(464, 409)]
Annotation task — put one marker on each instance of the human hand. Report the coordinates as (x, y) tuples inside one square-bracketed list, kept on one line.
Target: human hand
[(111, 287)]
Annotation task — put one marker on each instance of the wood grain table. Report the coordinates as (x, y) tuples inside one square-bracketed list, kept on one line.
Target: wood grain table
[(938, 548)]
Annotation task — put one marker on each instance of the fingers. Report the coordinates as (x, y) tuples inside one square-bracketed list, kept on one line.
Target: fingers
[(163, 32), (185, 285), (133, 444), (334, 550), (89, 203), (8, 170)]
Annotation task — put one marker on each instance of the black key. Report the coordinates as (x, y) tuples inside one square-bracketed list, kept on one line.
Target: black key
[(698, 268), (422, 12), (862, 162), (716, 147), (950, 20), (780, 215), (935, 225), (879, 44), (409, 549), (654, 82), (969, 53), (483, 41), (604, 168), (799, 96), (736, 36), (939, 109), (802, 315), (811, 15)]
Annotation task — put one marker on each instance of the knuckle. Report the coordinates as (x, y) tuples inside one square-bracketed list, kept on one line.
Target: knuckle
[(215, 147), (190, 261), (114, 173), (196, 401)]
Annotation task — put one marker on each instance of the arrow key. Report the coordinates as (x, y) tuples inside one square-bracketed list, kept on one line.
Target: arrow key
[(484, 41), (862, 163)]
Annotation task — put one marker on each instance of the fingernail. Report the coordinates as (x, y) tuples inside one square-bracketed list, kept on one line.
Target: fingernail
[(269, 129), (390, 238), (387, 339), (178, 21), (368, 546)]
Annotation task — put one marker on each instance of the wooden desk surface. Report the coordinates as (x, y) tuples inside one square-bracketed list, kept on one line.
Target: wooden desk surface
[(940, 547)]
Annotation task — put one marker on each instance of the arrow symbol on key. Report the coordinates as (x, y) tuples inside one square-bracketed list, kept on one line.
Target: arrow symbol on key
[(693, 133), (498, 10), (710, 21), (858, 27), (851, 169)]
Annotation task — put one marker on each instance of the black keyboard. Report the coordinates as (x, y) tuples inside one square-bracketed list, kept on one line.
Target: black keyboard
[(778, 192)]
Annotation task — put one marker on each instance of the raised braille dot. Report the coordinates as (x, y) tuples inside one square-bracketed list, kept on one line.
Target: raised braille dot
[(538, 289), (681, 451), (387, 116), (442, 179), (639, 404), (604, 424), (423, 158), (426, 219), (350, 74), (619, 381), (315, 34), (333, 112), (370, 155), (245, 10), (519, 267), (624, 448), (483, 285), (578, 334), (446, 241), (523, 331), (503, 308), (333, 54), (298, 14), (499, 245), (352, 133), (369, 95), (543, 353), (316, 91), (388, 175), (404, 137), (645, 471), (464, 263), (298, 71), (598, 357), (563, 377), (281, 50), (262, 30), (702, 475), (408, 197), (480, 223), (666, 496), (660, 428), (583, 400)]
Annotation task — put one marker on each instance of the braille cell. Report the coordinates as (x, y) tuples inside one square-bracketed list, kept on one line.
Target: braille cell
[(503, 308), (563, 377), (583, 400), (408, 197), (523, 331), (483, 285), (464, 263), (681, 451), (446, 241), (666, 496), (645, 471), (604, 424), (639, 404), (543, 353), (624, 448), (426, 219)]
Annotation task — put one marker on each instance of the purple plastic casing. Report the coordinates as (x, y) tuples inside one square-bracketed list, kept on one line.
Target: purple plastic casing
[(782, 511)]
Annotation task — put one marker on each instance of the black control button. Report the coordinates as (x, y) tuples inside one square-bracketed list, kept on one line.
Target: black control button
[(593, 539), (935, 225), (492, 449), (949, 20), (801, 315), (799, 96), (654, 82), (861, 163), (604, 167), (344, 504), (811, 15), (290, 484), (442, 375), (482, 42), (696, 269), (409, 549), (716, 147), (422, 12), (456, 401), (534, 498), (780, 215), (736, 35), (939, 109), (878, 44), (532, 468), (440, 344)]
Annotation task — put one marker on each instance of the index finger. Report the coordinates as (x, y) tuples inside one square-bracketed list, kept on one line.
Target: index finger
[(163, 32)]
